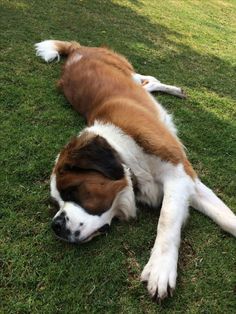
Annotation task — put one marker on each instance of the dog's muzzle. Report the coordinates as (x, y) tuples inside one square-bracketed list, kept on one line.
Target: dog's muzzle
[(59, 227), (61, 230)]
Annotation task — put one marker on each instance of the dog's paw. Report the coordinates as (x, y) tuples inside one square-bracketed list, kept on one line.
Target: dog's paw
[(160, 274), (178, 92), (182, 94)]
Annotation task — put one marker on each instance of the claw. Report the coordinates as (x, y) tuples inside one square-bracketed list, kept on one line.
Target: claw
[(157, 298), (170, 291), (182, 94)]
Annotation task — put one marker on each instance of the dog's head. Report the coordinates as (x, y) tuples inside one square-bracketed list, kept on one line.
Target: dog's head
[(92, 186)]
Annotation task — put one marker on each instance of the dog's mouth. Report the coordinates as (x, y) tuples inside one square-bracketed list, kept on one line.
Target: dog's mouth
[(89, 238), (72, 239), (103, 230)]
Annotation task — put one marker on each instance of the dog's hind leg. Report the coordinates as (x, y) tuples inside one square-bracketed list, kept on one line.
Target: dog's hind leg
[(206, 201), (151, 84)]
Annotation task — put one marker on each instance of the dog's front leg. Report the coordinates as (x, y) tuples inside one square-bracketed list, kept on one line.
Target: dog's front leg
[(161, 271)]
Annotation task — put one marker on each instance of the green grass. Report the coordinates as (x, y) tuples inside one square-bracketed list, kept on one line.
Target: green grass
[(186, 43)]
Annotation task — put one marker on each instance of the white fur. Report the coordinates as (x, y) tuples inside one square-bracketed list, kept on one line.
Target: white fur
[(139, 79), (162, 113), (151, 84), (124, 204), (54, 191), (161, 270), (155, 180), (79, 220), (164, 116), (73, 59), (205, 201), (47, 50)]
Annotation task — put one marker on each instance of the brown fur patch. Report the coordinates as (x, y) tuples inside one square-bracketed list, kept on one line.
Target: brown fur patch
[(91, 190), (89, 173), (100, 87)]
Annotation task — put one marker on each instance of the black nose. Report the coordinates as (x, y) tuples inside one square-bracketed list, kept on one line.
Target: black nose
[(59, 224)]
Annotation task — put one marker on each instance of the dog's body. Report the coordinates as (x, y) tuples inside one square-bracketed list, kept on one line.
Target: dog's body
[(129, 151)]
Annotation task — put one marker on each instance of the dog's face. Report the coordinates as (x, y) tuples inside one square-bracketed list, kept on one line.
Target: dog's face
[(90, 183)]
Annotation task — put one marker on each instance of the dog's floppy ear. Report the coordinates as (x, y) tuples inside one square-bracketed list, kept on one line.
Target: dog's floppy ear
[(98, 155)]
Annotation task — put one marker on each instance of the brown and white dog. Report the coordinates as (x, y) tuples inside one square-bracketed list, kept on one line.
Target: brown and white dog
[(129, 151)]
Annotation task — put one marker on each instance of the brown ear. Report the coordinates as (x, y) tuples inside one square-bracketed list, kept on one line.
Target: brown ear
[(98, 155), (91, 190)]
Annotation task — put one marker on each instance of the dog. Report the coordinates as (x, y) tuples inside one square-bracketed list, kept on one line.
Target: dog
[(128, 152)]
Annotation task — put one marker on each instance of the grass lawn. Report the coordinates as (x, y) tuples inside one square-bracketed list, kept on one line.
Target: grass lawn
[(185, 43)]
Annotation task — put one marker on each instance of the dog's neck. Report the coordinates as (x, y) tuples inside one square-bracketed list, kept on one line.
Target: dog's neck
[(130, 153), (124, 145), (142, 168)]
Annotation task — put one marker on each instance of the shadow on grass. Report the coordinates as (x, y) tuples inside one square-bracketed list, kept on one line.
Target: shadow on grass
[(104, 22), (149, 47)]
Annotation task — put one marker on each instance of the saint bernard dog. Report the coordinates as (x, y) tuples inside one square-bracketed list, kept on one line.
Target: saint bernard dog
[(128, 152)]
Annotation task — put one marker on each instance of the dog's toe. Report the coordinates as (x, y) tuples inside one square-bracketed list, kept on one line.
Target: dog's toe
[(145, 273), (160, 274), (182, 94)]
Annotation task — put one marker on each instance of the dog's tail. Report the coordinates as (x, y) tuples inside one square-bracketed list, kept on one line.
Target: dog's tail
[(205, 201), (49, 50)]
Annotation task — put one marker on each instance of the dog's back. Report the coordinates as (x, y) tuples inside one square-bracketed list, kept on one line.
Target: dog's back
[(99, 85)]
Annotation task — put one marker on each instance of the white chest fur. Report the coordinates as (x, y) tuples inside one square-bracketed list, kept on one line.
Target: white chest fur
[(147, 169)]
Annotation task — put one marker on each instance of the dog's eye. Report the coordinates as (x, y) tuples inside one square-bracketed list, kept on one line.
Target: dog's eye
[(67, 167), (68, 195), (64, 169), (61, 171)]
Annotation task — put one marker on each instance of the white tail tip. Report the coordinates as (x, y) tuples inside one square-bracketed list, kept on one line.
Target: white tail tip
[(47, 50)]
